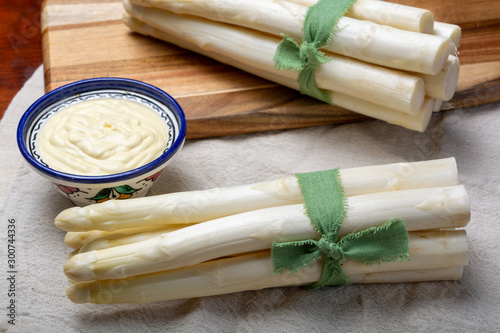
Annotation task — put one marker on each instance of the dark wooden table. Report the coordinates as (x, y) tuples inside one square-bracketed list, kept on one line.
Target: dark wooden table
[(20, 46)]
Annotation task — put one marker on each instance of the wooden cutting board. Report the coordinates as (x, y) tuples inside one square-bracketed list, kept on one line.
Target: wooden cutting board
[(86, 39)]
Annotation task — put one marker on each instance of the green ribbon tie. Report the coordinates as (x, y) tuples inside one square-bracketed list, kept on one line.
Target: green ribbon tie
[(319, 25), (325, 205)]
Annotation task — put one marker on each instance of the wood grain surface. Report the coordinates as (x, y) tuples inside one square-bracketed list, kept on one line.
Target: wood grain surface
[(20, 46), (86, 38)]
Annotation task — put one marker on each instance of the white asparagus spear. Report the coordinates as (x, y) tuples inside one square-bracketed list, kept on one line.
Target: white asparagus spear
[(386, 87), (428, 250), (394, 15), (418, 122), (397, 16), (429, 51), (77, 239), (401, 17), (241, 273), (444, 84), (199, 206), (440, 274), (388, 13), (421, 209), (363, 40), (117, 238), (411, 92)]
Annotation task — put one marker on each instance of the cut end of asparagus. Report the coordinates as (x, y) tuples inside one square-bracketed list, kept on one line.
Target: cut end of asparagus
[(426, 25), (79, 267), (443, 52), (451, 78), (450, 31)]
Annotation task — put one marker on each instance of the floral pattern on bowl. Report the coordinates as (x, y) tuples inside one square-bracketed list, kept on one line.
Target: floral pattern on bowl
[(121, 192)]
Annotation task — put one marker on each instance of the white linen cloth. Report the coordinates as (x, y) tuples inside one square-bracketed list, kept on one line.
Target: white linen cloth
[(471, 135)]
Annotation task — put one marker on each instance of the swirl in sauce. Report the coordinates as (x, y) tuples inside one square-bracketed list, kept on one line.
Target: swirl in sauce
[(102, 137)]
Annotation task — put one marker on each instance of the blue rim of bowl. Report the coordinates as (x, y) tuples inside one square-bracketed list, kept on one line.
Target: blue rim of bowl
[(88, 85)]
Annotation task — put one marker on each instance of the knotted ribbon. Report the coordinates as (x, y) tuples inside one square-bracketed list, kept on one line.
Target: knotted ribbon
[(319, 25), (325, 205)]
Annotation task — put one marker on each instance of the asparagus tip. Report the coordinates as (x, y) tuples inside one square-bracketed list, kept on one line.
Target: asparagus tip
[(78, 293), (73, 219), (79, 267)]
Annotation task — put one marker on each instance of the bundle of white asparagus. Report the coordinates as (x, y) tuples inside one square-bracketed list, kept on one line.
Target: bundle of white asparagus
[(387, 61), (211, 242)]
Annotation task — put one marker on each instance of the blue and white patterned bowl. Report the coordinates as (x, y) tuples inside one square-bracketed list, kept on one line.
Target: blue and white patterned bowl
[(84, 190)]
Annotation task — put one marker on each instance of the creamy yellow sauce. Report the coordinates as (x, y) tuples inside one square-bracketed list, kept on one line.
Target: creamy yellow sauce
[(102, 137)]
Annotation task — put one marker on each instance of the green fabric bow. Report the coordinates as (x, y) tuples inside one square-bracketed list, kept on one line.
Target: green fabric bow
[(388, 242), (319, 25), (324, 201)]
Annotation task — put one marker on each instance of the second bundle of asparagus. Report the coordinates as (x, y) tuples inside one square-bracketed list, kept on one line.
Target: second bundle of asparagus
[(201, 243), (384, 60)]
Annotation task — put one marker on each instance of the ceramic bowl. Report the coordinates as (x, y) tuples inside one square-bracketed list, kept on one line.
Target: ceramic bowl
[(85, 190)]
